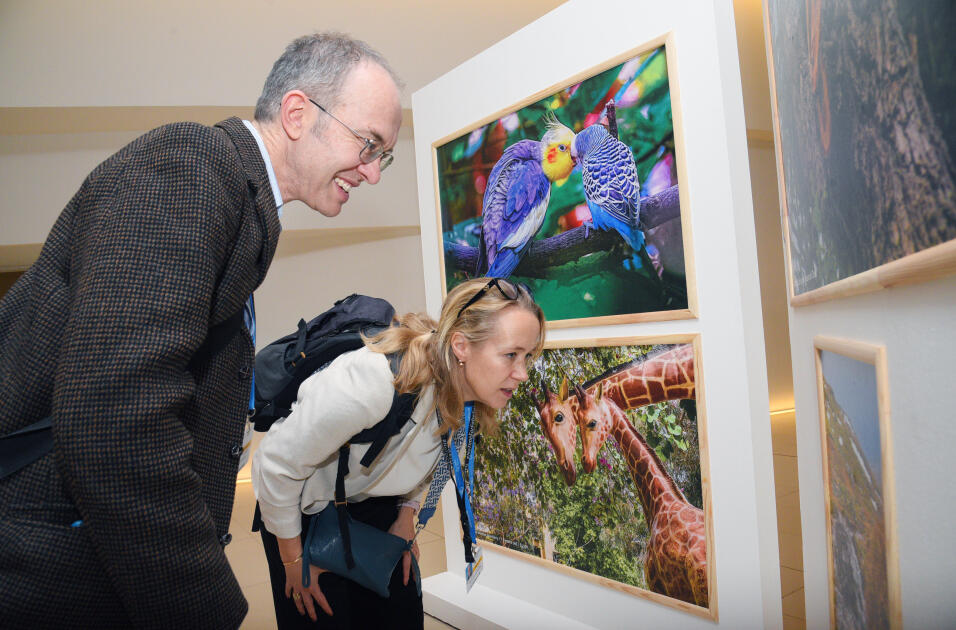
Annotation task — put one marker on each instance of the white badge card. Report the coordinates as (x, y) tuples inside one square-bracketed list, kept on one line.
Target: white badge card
[(473, 569)]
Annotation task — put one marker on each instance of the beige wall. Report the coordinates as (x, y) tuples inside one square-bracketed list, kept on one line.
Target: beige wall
[(748, 15), (773, 282)]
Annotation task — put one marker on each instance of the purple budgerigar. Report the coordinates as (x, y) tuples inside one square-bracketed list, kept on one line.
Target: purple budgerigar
[(516, 198), (610, 181)]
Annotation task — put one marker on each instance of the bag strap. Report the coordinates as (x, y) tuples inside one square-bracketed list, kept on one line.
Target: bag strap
[(306, 553), (401, 410), (300, 342), (341, 504), (217, 338), (24, 446), (391, 425)]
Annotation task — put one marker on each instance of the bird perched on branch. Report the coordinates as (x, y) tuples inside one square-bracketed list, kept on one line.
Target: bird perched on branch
[(516, 197), (610, 181)]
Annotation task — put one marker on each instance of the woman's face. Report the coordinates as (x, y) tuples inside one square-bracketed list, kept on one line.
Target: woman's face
[(494, 368)]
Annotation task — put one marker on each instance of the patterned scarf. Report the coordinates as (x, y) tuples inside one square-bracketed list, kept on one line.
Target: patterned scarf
[(443, 472)]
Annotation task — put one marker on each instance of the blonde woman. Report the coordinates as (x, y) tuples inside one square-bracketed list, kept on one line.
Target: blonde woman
[(471, 361)]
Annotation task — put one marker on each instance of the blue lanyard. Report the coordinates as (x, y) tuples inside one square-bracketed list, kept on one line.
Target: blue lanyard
[(249, 317), (460, 487)]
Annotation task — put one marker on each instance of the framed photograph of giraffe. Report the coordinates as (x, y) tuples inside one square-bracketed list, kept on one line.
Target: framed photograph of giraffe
[(600, 469), (575, 192), (864, 115), (862, 559)]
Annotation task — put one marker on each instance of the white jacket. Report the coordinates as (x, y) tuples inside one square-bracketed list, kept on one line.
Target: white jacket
[(294, 467)]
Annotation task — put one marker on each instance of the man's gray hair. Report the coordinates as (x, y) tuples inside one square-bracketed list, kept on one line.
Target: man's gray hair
[(317, 64)]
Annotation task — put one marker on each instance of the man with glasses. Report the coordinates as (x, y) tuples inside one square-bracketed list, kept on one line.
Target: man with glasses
[(126, 349)]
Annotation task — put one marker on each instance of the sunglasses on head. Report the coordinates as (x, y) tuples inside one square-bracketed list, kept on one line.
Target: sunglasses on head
[(508, 289)]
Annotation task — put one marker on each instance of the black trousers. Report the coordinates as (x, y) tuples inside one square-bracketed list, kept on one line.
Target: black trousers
[(353, 606)]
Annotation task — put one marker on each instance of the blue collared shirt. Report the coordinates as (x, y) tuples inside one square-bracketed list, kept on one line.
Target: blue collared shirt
[(249, 310)]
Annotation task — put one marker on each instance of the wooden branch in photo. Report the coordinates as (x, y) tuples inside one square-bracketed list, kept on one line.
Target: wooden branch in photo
[(573, 244), (611, 119)]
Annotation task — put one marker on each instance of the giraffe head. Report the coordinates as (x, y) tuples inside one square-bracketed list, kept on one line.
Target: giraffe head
[(595, 413), (557, 423)]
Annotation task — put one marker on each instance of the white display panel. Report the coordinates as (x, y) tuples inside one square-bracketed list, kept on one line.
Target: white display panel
[(716, 189)]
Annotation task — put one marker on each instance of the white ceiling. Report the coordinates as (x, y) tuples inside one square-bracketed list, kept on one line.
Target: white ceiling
[(68, 53)]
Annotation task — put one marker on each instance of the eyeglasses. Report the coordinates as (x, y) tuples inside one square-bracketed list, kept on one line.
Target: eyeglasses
[(508, 289), (371, 151)]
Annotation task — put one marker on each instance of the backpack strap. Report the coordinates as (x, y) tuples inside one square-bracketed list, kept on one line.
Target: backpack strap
[(400, 412), (402, 407), (300, 338)]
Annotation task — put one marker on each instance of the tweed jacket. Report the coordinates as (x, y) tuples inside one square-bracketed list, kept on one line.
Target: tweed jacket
[(124, 523)]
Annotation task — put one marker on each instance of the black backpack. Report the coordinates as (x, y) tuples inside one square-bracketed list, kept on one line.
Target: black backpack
[(286, 362)]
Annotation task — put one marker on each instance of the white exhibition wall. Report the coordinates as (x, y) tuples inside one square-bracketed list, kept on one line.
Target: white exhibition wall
[(916, 325), (310, 272), (716, 190)]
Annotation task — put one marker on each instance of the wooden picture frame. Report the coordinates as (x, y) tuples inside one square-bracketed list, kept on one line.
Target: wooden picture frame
[(537, 429), (854, 407), (867, 192), (608, 291)]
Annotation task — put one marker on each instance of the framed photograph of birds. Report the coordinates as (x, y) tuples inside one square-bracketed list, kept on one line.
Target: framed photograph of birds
[(575, 192), (600, 470), (863, 565), (864, 114)]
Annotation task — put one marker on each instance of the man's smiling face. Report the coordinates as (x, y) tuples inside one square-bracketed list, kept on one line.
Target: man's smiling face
[(328, 165)]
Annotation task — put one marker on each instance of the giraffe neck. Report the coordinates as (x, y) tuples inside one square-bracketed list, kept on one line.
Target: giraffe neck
[(667, 376), (654, 486)]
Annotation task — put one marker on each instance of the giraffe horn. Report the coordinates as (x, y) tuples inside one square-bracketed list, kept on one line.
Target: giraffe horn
[(542, 402), (580, 393)]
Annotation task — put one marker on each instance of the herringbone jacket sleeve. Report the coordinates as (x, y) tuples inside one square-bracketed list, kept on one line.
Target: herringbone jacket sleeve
[(151, 235)]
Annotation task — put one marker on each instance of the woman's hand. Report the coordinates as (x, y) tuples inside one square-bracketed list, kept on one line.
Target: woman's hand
[(304, 598), (404, 527)]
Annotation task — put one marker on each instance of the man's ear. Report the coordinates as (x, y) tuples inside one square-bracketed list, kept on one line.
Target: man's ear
[(460, 345), (294, 113)]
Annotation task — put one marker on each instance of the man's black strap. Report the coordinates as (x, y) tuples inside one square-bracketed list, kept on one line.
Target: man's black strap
[(217, 338), (25, 446)]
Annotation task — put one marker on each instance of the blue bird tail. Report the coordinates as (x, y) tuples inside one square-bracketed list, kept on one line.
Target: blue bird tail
[(504, 263), (633, 237)]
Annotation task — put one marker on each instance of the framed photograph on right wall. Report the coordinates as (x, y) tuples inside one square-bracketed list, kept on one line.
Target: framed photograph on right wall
[(864, 113), (862, 557)]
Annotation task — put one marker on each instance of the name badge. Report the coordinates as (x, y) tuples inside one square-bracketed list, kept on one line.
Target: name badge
[(473, 569)]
